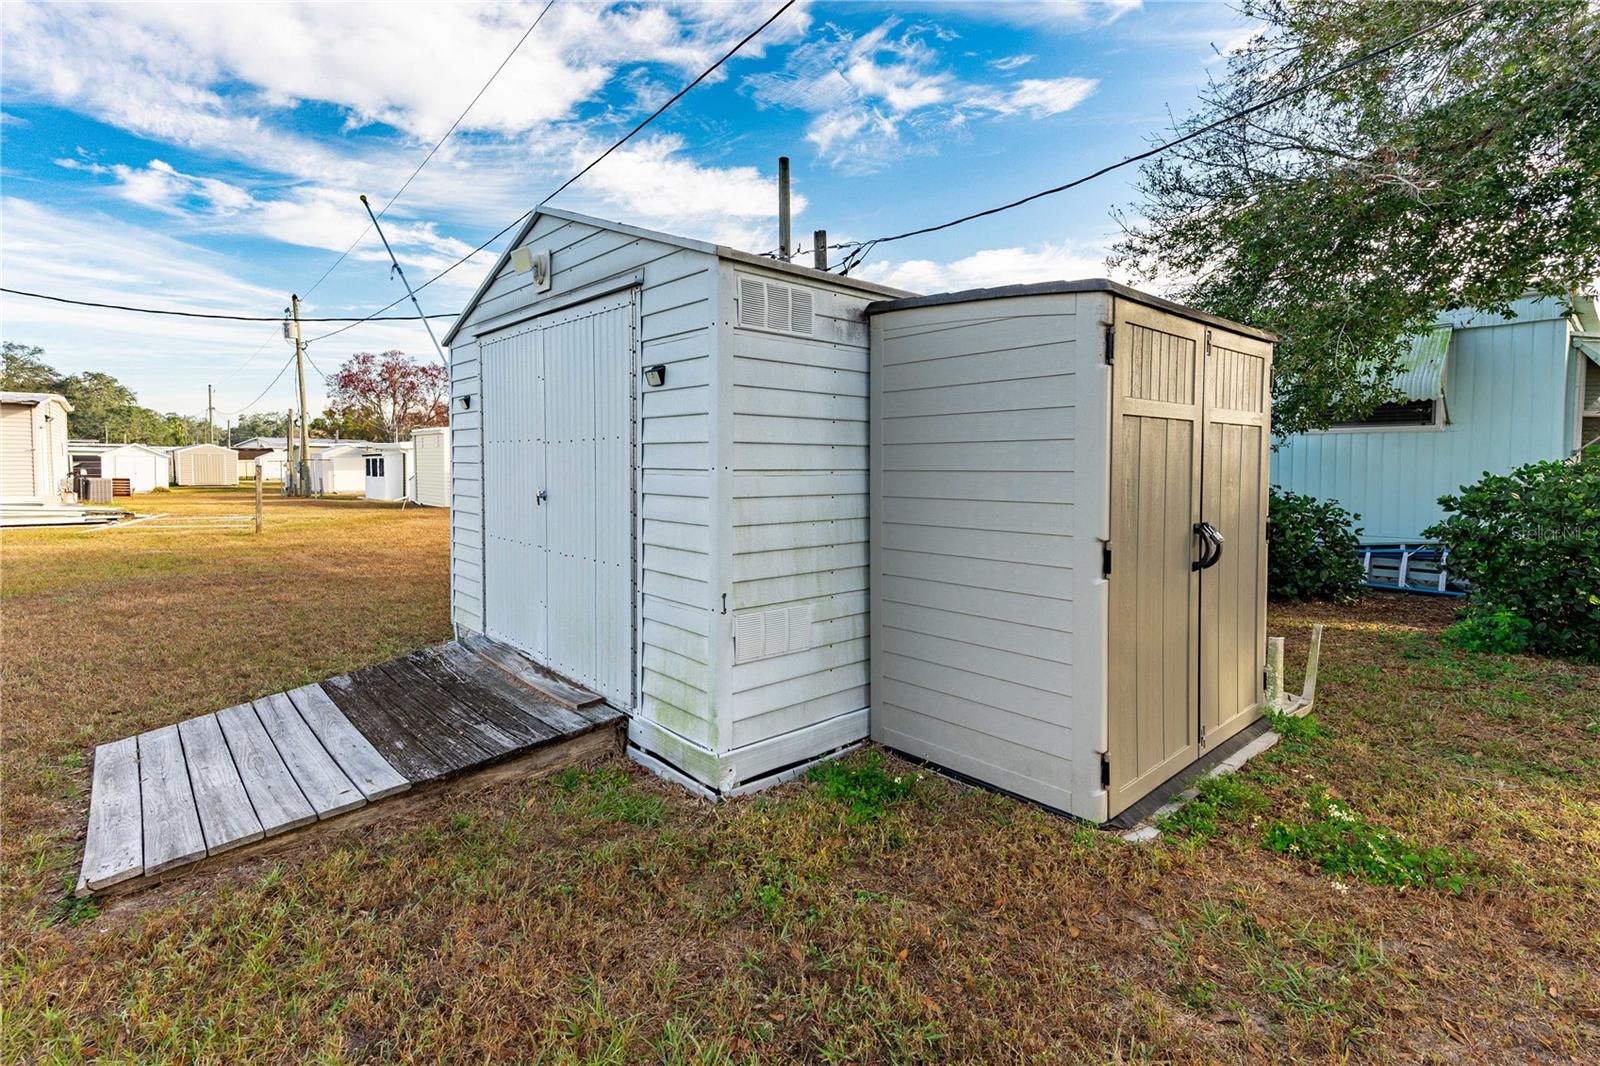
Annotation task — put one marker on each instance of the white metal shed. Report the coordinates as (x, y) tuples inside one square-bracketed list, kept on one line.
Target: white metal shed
[(145, 468), (339, 470), (205, 465), (387, 470), (33, 446), (660, 488), (1069, 505), (430, 452)]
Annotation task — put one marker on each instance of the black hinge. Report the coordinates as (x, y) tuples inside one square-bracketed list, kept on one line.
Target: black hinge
[(1111, 345), (1263, 681), (1105, 770), (1105, 560), (1208, 342)]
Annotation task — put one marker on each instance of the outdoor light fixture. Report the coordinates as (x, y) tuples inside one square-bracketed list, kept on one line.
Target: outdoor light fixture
[(466, 403), (655, 376)]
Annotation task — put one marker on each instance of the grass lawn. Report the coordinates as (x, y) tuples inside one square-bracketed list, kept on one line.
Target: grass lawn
[(1415, 875)]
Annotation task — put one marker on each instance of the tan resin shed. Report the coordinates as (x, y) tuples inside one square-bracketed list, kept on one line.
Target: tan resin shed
[(206, 465), (1068, 537)]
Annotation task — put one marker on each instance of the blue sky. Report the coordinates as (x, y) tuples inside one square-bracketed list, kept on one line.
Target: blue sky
[(209, 156)]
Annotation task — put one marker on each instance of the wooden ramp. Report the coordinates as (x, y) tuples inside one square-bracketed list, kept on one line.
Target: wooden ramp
[(180, 793)]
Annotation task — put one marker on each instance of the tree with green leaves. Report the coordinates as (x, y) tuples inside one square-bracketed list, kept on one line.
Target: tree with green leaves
[(1458, 168), (25, 370)]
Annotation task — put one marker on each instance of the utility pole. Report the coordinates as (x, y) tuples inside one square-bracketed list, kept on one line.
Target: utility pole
[(230, 432), (211, 419), (302, 467)]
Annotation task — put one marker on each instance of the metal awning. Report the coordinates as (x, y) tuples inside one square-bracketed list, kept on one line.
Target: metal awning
[(1589, 346), (1421, 372)]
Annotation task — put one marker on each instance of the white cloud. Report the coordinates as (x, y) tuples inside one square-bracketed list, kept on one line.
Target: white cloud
[(1036, 97), (1011, 62), (880, 94), (991, 266), (166, 361)]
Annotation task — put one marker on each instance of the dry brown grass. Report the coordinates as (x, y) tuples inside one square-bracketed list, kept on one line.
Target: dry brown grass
[(605, 917)]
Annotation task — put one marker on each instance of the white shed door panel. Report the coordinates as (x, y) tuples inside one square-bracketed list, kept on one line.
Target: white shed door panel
[(558, 420)]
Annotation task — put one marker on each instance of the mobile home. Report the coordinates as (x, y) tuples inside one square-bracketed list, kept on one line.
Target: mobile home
[(33, 447), (659, 467), (1479, 393)]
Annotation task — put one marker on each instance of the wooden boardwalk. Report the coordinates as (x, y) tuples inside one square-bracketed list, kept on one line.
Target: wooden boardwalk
[(177, 794)]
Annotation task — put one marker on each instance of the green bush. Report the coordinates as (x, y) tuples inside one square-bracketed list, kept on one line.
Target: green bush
[(1499, 631), (1311, 549), (1528, 545)]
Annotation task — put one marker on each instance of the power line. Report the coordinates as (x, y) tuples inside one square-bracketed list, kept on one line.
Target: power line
[(439, 144), (591, 165), (269, 388), (207, 314), (866, 247)]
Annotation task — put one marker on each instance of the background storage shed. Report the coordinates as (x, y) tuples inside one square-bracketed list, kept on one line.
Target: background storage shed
[(339, 470), (145, 468), (205, 465), (660, 490), (388, 471), (33, 446), (430, 455), (1050, 613)]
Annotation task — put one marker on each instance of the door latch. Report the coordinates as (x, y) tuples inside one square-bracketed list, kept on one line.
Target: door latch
[(539, 499), (1210, 547)]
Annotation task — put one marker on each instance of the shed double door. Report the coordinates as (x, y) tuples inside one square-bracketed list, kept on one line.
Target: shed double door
[(558, 415), (1190, 436)]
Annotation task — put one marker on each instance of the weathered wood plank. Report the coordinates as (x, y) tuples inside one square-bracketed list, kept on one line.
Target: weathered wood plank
[(419, 695), (528, 672), (394, 737), (527, 700), (492, 705), (171, 824), (278, 801), (367, 770), (227, 818), (323, 784), (114, 848)]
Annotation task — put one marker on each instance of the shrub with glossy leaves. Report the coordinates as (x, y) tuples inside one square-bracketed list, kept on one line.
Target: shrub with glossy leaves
[(1311, 549), (1528, 544)]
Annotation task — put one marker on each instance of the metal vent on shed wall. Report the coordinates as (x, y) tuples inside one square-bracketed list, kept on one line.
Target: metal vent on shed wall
[(775, 306)]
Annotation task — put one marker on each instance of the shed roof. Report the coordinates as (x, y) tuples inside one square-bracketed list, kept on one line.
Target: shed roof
[(1050, 288), (719, 250), (95, 447), (35, 398), (192, 447)]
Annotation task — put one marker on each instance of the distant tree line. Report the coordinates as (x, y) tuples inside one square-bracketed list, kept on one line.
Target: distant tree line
[(373, 397)]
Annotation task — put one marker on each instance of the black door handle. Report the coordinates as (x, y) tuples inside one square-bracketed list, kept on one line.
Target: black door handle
[(1211, 549), (539, 499)]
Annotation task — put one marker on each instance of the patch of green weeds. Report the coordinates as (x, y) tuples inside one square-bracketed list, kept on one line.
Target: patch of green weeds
[(608, 793), (863, 785), (1223, 799), (69, 909), (1343, 842), (1297, 734)]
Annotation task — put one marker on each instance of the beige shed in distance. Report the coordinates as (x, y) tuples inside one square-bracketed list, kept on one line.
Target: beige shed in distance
[(1068, 537), (205, 465)]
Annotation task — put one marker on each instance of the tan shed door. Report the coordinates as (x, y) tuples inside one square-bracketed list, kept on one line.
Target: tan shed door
[(1153, 692), (1233, 498), (1190, 428)]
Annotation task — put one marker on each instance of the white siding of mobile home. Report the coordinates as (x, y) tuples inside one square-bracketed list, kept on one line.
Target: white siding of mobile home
[(676, 293), (799, 527)]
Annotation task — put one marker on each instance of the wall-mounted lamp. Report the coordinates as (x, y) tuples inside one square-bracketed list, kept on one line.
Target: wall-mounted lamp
[(655, 376), (466, 403)]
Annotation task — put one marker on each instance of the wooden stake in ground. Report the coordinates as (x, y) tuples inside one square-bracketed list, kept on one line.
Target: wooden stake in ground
[(258, 495)]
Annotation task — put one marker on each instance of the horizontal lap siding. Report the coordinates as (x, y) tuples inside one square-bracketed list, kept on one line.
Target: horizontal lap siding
[(978, 582), (676, 328), (799, 514)]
